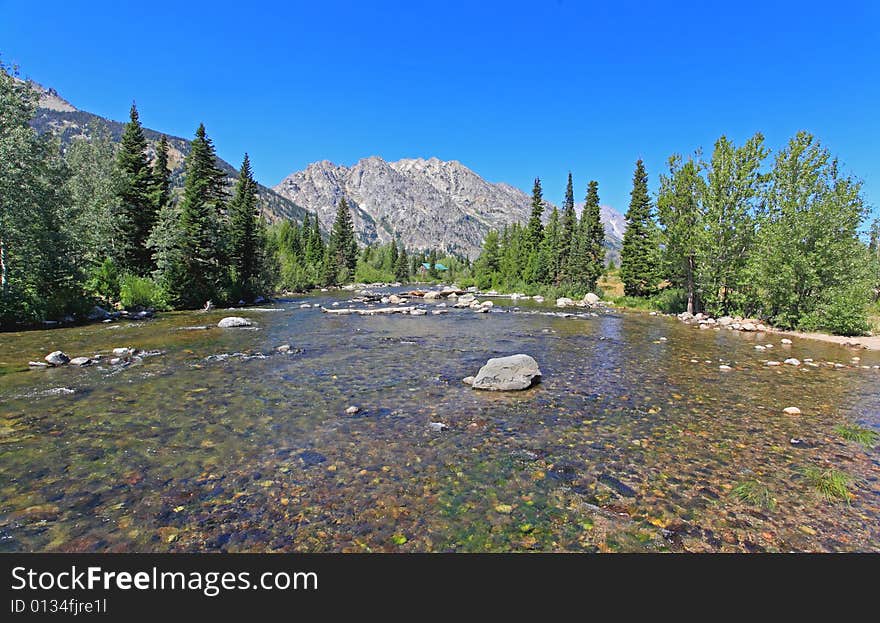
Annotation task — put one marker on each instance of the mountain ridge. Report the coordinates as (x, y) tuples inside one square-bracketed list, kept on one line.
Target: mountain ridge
[(423, 202)]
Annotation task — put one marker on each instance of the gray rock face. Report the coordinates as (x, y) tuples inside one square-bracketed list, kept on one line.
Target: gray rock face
[(234, 321), (425, 203), (507, 374), (57, 358)]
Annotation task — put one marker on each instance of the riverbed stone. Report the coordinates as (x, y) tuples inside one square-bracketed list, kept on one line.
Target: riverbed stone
[(57, 358), (791, 411), (564, 301), (234, 321), (538, 298), (792, 361), (511, 373), (466, 299), (591, 299), (80, 361)]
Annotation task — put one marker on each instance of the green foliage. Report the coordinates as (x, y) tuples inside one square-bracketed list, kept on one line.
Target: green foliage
[(858, 434), (754, 493), (135, 209), (39, 277), (342, 251), (247, 237), (670, 300), (103, 281), (639, 269), (831, 484), (807, 243), (841, 311), (198, 259), (135, 291)]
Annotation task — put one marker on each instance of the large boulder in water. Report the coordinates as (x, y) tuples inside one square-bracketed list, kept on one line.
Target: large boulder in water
[(234, 321), (591, 299), (507, 374)]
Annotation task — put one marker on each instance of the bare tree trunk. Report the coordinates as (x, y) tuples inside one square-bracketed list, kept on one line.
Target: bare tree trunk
[(690, 285)]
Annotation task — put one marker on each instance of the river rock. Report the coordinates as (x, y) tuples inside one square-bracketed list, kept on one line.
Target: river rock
[(438, 427), (437, 312), (234, 321), (564, 301), (785, 340), (418, 312), (394, 299), (57, 358), (38, 364), (591, 299), (98, 313), (283, 348), (80, 361), (466, 299), (538, 298), (352, 410), (508, 373), (468, 380), (431, 295), (748, 326), (791, 411), (725, 321), (480, 309), (123, 352), (792, 361)]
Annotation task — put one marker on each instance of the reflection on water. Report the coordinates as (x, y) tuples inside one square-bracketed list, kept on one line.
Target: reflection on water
[(627, 445)]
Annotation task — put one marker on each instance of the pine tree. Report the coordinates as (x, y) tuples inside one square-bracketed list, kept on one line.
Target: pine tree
[(199, 277), (161, 176), (588, 257), (392, 256), (314, 243), (535, 231), (551, 249), (638, 258), (246, 239), (343, 246), (136, 211), (569, 228), (401, 266)]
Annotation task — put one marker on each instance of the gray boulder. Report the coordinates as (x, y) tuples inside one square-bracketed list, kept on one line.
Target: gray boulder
[(80, 361), (234, 321), (57, 358), (591, 299), (508, 374)]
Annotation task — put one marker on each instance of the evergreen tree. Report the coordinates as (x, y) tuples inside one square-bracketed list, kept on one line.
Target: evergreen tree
[(136, 210), (401, 266), (551, 249), (199, 275), (535, 231), (314, 243), (432, 264), (392, 257), (569, 229), (587, 260), (343, 246), (246, 239), (161, 177), (680, 212), (638, 258)]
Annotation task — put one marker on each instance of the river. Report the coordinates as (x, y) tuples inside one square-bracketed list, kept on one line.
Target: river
[(634, 440)]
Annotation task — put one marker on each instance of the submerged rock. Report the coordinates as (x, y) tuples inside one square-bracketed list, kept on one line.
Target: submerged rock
[(564, 301), (352, 410), (57, 358), (511, 373), (438, 427), (234, 321)]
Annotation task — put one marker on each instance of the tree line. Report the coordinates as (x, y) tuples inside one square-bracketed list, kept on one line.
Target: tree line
[(566, 255), (729, 236)]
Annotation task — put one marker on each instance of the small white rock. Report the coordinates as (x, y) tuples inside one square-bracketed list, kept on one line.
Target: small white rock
[(438, 427), (792, 361), (785, 340), (352, 410), (791, 411), (724, 367)]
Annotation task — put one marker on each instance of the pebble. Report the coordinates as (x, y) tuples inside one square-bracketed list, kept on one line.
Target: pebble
[(438, 427), (785, 340), (662, 339), (80, 361), (759, 347), (792, 361), (352, 410), (773, 363), (791, 411), (724, 367), (283, 348)]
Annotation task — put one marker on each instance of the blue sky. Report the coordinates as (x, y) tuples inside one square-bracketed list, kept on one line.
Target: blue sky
[(512, 89)]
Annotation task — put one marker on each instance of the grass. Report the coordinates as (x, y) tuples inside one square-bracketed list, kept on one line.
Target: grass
[(611, 284), (832, 484), (859, 434), (754, 493)]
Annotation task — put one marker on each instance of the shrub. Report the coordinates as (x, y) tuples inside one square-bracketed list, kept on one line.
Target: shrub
[(137, 291), (103, 281), (670, 301), (842, 311)]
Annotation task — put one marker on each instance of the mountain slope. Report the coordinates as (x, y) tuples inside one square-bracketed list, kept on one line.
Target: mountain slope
[(54, 114), (424, 203)]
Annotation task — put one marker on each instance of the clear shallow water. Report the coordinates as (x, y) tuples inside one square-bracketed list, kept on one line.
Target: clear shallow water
[(626, 445)]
